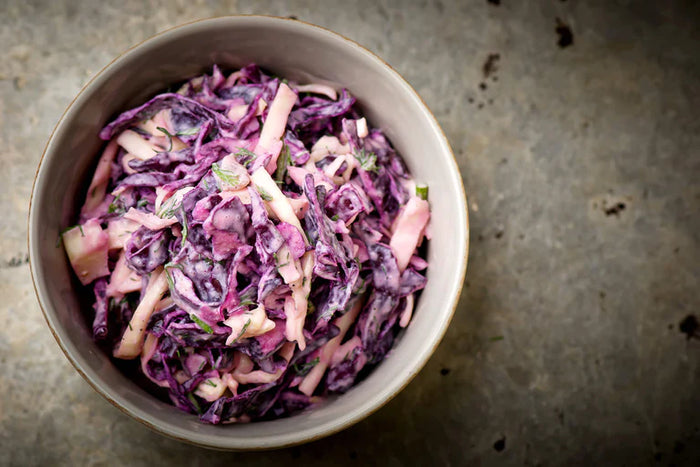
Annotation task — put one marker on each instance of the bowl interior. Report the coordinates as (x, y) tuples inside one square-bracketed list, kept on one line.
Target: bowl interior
[(300, 52)]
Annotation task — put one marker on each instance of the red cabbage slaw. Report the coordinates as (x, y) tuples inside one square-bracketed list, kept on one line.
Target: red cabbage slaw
[(253, 242)]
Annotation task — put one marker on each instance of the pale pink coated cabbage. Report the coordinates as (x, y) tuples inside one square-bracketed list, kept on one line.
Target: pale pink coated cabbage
[(253, 245)]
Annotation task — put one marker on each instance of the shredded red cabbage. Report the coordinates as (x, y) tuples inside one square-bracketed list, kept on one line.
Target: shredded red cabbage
[(252, 242)]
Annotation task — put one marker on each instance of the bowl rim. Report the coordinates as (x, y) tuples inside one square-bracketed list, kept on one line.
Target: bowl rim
[(358, 415)]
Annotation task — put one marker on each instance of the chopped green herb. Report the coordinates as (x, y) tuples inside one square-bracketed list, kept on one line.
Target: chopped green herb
[(168, 208), (190, 396), (243, 330), (205, 183), (245, 152), (248, 297), (178, 353), (225, 176), (184, 227), (210, 383), (170, 137), (130, 328), (60, 234), (114, 206), (311, 308), (263, 194), (283, 161), (303, 369), (201, 365), (142, 203), (496, 338), (367, 160), (283, 265), (335, 217), (202, 324), (422, 192), (191, 132)]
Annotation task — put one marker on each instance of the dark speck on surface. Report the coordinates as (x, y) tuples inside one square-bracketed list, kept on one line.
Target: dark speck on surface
[(566, 36), (353, 455), (16, 261), (498, 234), (615, 209), (494, 2), (500, 445), (490, 66), (482, 86), (445, 371), (292, 17), (480, 106), (689, 326)]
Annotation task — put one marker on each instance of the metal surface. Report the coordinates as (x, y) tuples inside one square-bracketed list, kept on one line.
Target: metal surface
[(581, 164)]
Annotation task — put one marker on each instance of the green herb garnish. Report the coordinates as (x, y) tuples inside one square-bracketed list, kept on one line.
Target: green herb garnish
[(202, 324), (283, 161), (210, 383), (263, 194), (190, 396), (245, 152), (113, 206), (422, 192), (225, 176), (496, 338), (170, 137), (243, 330), (168, 208), (142, 203), (191, 132), (367, 160), (184, 227), (303, 369)]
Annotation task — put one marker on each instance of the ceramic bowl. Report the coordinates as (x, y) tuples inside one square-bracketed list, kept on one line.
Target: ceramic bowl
[(298, 51)]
